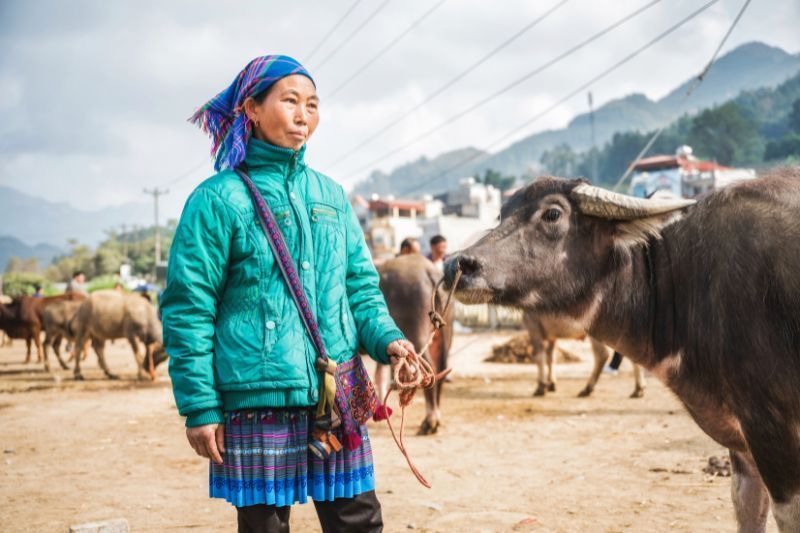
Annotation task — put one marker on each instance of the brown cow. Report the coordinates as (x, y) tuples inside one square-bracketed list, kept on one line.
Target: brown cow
[(544, 331), (706, 296), (20, 320), (111, 314), (407, 283)]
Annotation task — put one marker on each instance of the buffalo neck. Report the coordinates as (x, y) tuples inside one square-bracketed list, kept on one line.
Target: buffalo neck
[(637, 315)]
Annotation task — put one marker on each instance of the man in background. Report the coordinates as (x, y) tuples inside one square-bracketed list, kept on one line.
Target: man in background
[(77, 283), (410, 245), (438, 253)]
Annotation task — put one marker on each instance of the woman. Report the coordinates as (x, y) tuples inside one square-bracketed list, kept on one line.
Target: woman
[(242, 365)]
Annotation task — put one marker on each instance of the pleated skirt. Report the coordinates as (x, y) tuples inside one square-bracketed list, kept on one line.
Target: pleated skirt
[(266, 461)]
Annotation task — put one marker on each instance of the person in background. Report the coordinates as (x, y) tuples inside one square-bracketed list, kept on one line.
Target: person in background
[(77, 283), (438, 253), (37, 291), (410, 245)]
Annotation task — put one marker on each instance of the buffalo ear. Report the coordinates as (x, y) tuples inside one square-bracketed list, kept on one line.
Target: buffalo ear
[(628, 233)]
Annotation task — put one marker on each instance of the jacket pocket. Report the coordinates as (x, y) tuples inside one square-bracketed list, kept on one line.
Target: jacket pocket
[(239, 341), (271, 327), (324, 214)]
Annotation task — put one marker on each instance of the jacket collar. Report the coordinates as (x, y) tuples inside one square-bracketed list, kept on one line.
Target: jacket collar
[(263, 154)]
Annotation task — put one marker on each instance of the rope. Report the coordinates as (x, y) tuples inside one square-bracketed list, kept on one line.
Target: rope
[(416, 371)]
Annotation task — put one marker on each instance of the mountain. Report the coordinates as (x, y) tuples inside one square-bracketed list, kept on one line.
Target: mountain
[(34, 220), (748, 67), (11, 247)]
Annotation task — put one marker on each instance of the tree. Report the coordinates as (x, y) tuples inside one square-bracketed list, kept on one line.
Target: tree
[(496, 179), (787, 147), (794, 117), (725, 134), (560, 161)]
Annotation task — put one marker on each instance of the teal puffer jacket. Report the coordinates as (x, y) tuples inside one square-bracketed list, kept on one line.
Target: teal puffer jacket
[(231, 328)]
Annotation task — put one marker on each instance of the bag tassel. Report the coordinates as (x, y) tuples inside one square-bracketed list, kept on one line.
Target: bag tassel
[(382, 413)]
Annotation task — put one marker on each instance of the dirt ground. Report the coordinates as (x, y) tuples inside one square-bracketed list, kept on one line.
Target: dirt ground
[(503, 461)]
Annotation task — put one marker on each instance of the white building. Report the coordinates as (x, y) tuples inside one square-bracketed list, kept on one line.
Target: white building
[(683, 175)]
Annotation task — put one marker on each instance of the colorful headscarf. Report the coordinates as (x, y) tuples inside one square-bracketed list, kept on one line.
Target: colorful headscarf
[(223, 117)]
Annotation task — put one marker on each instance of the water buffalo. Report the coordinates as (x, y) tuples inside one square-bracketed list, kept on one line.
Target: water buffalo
[(705, 296), (407, 283), (111, 314), (544, 332), (20, 320), (55, 322)]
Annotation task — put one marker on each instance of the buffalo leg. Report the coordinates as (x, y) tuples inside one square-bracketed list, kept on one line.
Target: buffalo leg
[(48, 341), (749, 494), (787, 514), (432, 416), (380, 381), (79, 345), (37, 341), (641, 383), (99, 349), (57, 351), (538, 352), (28, 352), (600, 358), (551, 373)]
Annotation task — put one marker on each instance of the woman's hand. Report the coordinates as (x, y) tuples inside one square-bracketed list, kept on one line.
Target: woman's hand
[(399, 349), (208, 441)]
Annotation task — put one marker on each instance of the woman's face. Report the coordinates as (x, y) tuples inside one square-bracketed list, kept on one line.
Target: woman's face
[(288, 115)]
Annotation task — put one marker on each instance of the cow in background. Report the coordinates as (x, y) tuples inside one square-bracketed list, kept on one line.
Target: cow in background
[(407, 283)]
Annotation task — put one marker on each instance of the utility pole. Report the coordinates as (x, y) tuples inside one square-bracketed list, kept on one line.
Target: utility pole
[(124, 242), (594, 143), (156, 192)]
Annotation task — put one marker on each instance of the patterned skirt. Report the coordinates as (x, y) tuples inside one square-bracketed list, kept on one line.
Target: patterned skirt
[(266, 461)]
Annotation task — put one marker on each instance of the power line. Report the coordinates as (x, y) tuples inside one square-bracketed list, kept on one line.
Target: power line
[(692, 87), (568, 96), (332, 30), (183, 175), (506, 88), (351, 35), (449, 83), (385, 49)]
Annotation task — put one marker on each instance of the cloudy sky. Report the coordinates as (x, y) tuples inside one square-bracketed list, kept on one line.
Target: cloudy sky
[(94, 95)]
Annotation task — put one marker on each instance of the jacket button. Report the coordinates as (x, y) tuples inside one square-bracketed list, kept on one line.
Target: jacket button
[(292, 195), (314, 395), (306, 265), (270, 325)]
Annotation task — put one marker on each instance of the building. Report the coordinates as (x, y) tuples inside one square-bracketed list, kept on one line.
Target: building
[(461, 215), (388, 222), (682, 174), (466, 214)]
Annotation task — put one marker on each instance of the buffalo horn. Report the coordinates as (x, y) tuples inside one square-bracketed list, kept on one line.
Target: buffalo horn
[(602, 203)]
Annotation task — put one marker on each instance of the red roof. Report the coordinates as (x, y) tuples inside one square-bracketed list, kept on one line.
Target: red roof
[(671, 161), (405, 205)]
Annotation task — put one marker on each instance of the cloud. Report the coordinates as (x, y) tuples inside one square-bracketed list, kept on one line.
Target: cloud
[(94, 96)]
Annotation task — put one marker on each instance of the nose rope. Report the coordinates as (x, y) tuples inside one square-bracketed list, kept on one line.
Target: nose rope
[(416, 371)]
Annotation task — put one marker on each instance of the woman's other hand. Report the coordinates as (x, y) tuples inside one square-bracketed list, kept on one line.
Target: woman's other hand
[(208, 441)]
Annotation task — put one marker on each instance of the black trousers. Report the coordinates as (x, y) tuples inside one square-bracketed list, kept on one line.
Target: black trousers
[(356, 515)]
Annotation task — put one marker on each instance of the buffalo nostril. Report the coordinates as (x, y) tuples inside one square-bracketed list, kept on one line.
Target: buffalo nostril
[(468, 264)]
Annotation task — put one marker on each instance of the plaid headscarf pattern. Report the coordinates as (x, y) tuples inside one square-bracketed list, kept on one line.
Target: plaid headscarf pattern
[(223, 117)]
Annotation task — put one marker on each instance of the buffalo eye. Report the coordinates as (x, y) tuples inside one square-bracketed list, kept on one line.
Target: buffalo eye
[(551, 215)]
